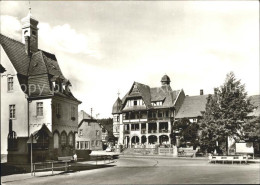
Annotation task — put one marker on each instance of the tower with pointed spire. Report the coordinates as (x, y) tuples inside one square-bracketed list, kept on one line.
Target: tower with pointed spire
[(30, 30)]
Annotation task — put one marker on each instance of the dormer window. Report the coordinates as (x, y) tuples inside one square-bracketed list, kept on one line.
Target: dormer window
[(136, 102), (157, 103)]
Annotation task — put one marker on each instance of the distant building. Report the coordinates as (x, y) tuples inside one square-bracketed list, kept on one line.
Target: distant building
[(89, 133), (145, 115), (104, 134), (36, 102), (192, 107), (255, 100)]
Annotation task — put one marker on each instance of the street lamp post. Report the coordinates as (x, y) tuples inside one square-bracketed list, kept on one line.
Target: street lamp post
[(31, 155)]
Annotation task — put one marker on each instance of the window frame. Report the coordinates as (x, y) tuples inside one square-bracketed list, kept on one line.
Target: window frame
[(10, 81), (12, 111), (63, 137), (39, 109)]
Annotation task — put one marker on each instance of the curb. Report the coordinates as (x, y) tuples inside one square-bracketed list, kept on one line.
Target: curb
[(177, 158)]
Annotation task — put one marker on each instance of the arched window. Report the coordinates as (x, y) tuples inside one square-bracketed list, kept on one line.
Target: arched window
[(63, 139), (56, 140), (71, 139)]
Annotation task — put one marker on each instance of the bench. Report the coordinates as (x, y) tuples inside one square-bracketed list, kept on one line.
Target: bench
[(186, 152), (66, 159), (227, 159)]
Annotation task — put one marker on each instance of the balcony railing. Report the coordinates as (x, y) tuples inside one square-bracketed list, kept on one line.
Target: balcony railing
[(143, 131), (164, 131), (152, 131)]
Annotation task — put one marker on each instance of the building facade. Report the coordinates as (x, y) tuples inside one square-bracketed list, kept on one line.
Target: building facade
[(144, 117), (37, 107), (89, 135)]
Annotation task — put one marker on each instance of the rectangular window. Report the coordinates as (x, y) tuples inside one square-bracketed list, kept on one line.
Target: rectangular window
[(87, 144), (167, 114), (10, 83), (39, 107), (97, 143), (135, 102), (12, 111), (81, 132), (97, 132), (82, 145), (78, 145), (92, 143)]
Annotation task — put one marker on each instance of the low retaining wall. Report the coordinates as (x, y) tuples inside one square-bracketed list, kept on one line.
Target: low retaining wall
[(231, 159)]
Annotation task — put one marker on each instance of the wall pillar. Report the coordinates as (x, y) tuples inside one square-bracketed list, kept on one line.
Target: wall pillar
[(157, 127)]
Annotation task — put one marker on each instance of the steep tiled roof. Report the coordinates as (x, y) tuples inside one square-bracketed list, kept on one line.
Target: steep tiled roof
[(255, 100), (16, 53), (149, 95), (145, 93), (192, 106), (2, 69), (39, 71)]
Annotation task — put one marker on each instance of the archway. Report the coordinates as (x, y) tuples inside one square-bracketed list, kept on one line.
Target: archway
[(143, 139), (152, 139), (164, 139), (135, 140)]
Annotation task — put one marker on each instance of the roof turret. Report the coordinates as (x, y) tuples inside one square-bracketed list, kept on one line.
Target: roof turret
[(117, 106)]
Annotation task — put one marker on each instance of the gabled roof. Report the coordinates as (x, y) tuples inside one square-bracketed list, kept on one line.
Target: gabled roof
[(149, 95), (82, 115), (37, 133), (39, 71), (192, 106), (255, 100)]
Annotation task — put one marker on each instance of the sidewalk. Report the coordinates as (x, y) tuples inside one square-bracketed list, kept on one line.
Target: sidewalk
[(79, 166)]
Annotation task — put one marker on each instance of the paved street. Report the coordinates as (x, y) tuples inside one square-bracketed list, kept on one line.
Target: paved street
[(153, 171)]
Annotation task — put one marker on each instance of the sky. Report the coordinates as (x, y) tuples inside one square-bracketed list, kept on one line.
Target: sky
[(103, 47)]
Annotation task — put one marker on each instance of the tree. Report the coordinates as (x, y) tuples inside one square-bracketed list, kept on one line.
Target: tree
[(187, 131), (225, 114), (251, 130)]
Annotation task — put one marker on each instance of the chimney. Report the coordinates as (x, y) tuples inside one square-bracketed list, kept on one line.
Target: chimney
[(201, 92), (27, 44), (10, 126)]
